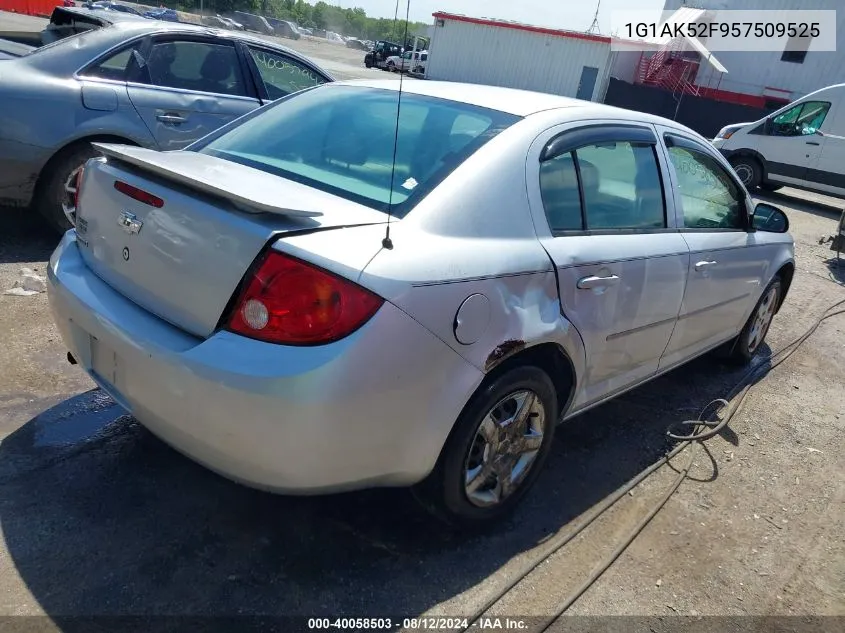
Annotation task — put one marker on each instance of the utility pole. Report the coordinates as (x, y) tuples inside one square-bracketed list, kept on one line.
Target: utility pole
[(594, 27)]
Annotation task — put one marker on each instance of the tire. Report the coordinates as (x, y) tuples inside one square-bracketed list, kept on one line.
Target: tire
[(446, 492), (749, 171), (743, 348), (368, 63), (54, 190), (770, 186), (391, 67)]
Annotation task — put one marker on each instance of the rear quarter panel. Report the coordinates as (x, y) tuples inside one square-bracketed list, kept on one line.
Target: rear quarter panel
[(42, 114), (474, 235)]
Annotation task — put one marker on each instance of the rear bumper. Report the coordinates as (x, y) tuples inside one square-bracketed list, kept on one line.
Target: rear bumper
[(372, 409)]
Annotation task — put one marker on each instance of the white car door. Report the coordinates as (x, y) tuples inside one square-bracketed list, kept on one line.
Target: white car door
[(727, 260), (789, 144), (828, 172), (597, 201)]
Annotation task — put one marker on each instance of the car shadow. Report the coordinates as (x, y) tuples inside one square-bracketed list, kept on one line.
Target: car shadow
[(101, 518), (24, 236)]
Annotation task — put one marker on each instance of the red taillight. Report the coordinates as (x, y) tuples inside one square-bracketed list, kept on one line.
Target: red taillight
[(138, 194), (290, 302)]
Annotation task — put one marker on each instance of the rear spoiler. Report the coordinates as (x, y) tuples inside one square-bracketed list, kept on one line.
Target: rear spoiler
[(64, 22), (251, 190)]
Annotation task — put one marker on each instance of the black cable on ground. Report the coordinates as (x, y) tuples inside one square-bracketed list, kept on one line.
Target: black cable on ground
[(703, 429)]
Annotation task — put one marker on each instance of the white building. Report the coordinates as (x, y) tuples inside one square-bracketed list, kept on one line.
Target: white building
[(501, 53), (763, 79)]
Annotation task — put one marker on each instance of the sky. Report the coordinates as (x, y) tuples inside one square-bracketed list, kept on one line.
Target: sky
[(576, 15)]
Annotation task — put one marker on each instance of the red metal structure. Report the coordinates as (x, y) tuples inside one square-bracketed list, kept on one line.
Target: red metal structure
[(29, 7), (672, 68)]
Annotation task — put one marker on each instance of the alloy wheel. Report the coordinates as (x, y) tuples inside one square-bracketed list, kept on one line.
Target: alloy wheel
[(762, 320), (69, 196), (504, 449)]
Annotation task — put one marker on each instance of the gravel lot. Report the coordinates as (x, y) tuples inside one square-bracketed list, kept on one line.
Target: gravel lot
[(98, 517)]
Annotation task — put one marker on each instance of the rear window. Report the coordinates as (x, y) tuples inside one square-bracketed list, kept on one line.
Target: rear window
[(340, 139)]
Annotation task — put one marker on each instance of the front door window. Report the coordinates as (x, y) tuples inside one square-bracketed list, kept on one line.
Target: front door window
[(802, 119)]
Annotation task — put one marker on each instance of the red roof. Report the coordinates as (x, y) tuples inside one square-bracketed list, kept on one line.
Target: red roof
[(517, 26)]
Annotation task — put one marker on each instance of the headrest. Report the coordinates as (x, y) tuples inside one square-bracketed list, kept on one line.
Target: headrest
[(217, 65)]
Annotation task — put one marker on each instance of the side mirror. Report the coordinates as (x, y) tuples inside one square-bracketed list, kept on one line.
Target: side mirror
[(767, 127), (769, 219)]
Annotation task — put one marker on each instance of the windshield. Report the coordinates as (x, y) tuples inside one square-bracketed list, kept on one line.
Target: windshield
[(340, 139)]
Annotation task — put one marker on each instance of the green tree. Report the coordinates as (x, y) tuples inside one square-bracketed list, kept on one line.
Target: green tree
[(318, 15), (302, 13)]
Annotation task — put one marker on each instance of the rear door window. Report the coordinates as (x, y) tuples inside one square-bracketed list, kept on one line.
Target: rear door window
[(195, 65), (605, 186)]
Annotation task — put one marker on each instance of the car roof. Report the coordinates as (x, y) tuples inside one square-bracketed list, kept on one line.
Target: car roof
[(521, 103), (509, 100), (98, 41)]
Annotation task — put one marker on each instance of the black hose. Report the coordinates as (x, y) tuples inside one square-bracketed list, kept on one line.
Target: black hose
[(703, 430)]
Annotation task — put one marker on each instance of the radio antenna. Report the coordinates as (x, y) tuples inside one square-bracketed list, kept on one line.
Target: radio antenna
[(387, 242)]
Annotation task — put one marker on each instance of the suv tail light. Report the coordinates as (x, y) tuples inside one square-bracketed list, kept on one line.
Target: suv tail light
[(290, 302)]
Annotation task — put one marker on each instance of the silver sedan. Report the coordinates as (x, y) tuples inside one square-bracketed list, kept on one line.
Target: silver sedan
[(153, 84), (325, 295)]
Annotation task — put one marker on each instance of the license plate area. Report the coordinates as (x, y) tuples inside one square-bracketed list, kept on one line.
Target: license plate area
[(105, 363)]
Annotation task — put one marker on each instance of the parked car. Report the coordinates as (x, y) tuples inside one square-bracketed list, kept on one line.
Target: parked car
[(254, 22), (64, 22), (232, 24), (111, 6), (334, 38), (801, 145), (381, 51), (167, 15), (283, 28), (356, 43), (545, 255), (153, 84), (215, 22), (409, 61)]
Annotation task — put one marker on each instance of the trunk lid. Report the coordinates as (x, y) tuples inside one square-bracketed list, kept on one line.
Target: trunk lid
[(184, 260)]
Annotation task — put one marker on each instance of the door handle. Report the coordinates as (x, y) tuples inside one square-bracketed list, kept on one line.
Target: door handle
[(812, 142), (585, 283), (170, 118), (699, 266)]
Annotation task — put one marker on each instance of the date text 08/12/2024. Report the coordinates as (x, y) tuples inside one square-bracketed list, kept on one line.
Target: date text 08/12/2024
[(421, 623)]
